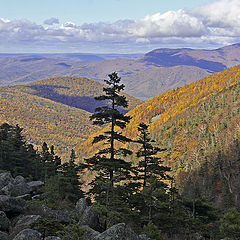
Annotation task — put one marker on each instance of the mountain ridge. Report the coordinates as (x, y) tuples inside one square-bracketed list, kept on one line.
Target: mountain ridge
[(182, 66), (55, 110)]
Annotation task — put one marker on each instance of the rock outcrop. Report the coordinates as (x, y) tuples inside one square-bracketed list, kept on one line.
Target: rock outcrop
[(17, 216), (86, 215), (22, 223), (119, 231), (12, 204), (3, 236), (62, 216), (4, 222), (5, 179), (28, 234), (18, 186)]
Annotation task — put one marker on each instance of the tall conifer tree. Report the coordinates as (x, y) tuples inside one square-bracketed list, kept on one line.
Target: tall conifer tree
[(70, 188), (154, 203), (108, 163)]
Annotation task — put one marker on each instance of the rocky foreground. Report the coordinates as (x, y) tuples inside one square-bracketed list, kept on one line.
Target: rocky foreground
[(20, 209)]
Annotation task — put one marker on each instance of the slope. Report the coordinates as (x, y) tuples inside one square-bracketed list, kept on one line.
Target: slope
[(45, 120), (54, 110), (72, 91), (196, 123)]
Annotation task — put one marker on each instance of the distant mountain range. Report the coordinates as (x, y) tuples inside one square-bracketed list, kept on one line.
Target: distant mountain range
[(70, 56), (54, 110), (145, 76)]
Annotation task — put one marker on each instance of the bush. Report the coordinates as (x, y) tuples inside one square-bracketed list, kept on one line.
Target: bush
[(230, 224), (47, 226), (152, 231)]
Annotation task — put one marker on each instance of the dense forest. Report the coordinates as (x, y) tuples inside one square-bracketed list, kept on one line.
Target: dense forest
[(184, 188)]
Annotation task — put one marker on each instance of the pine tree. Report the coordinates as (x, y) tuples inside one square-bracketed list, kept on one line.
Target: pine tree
[(49, 161), (108, 163), (70, 186), (149, 166), (153, 205), (16, 154)]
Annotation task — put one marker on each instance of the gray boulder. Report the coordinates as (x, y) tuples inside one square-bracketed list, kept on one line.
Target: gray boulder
[(35, 186), (3, 236), (51, 238), (7, 189), (28, 234), (27, 220), (89, 218), (25, 197), (5, 179), (23, 222), (62, 216), (89, 233), (81, 206), (118, 232), (19, 179), (16, 187), (86, 215), (4, 222), (19, 189), (12, 204)]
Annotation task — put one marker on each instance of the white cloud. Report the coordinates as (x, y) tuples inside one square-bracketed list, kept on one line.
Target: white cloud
[(51, 21), (172, 23), (220, 14), (211, 25), (142, 40)]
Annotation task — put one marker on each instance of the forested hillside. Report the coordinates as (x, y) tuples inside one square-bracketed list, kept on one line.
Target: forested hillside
[(198, 124), (54, 110)]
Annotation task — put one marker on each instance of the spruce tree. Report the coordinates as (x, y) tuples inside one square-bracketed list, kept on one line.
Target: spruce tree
[(16, 154), (153, 205), (70, 188), (149, 165), (49, 161), (108, 163)]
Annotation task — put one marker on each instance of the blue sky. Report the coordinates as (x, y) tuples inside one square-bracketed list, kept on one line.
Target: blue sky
[(82, 11), (120, 26)]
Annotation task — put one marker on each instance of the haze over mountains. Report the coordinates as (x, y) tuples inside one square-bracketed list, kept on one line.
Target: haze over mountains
[(165, 69)]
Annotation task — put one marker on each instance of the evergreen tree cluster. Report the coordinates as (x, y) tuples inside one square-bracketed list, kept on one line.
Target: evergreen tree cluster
[(20, 158), (137, 194)]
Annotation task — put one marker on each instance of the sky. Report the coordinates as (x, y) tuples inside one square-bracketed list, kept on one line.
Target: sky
[(116, 26)]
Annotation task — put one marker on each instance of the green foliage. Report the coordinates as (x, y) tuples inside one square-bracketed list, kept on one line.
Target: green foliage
[(108, 163), (47, 226), (230, 224), (64, 186), (69, 184), (16, 155), (71, 232), (51, 191), (50, 161), (152, 199), (149, 165), (152, 231)]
